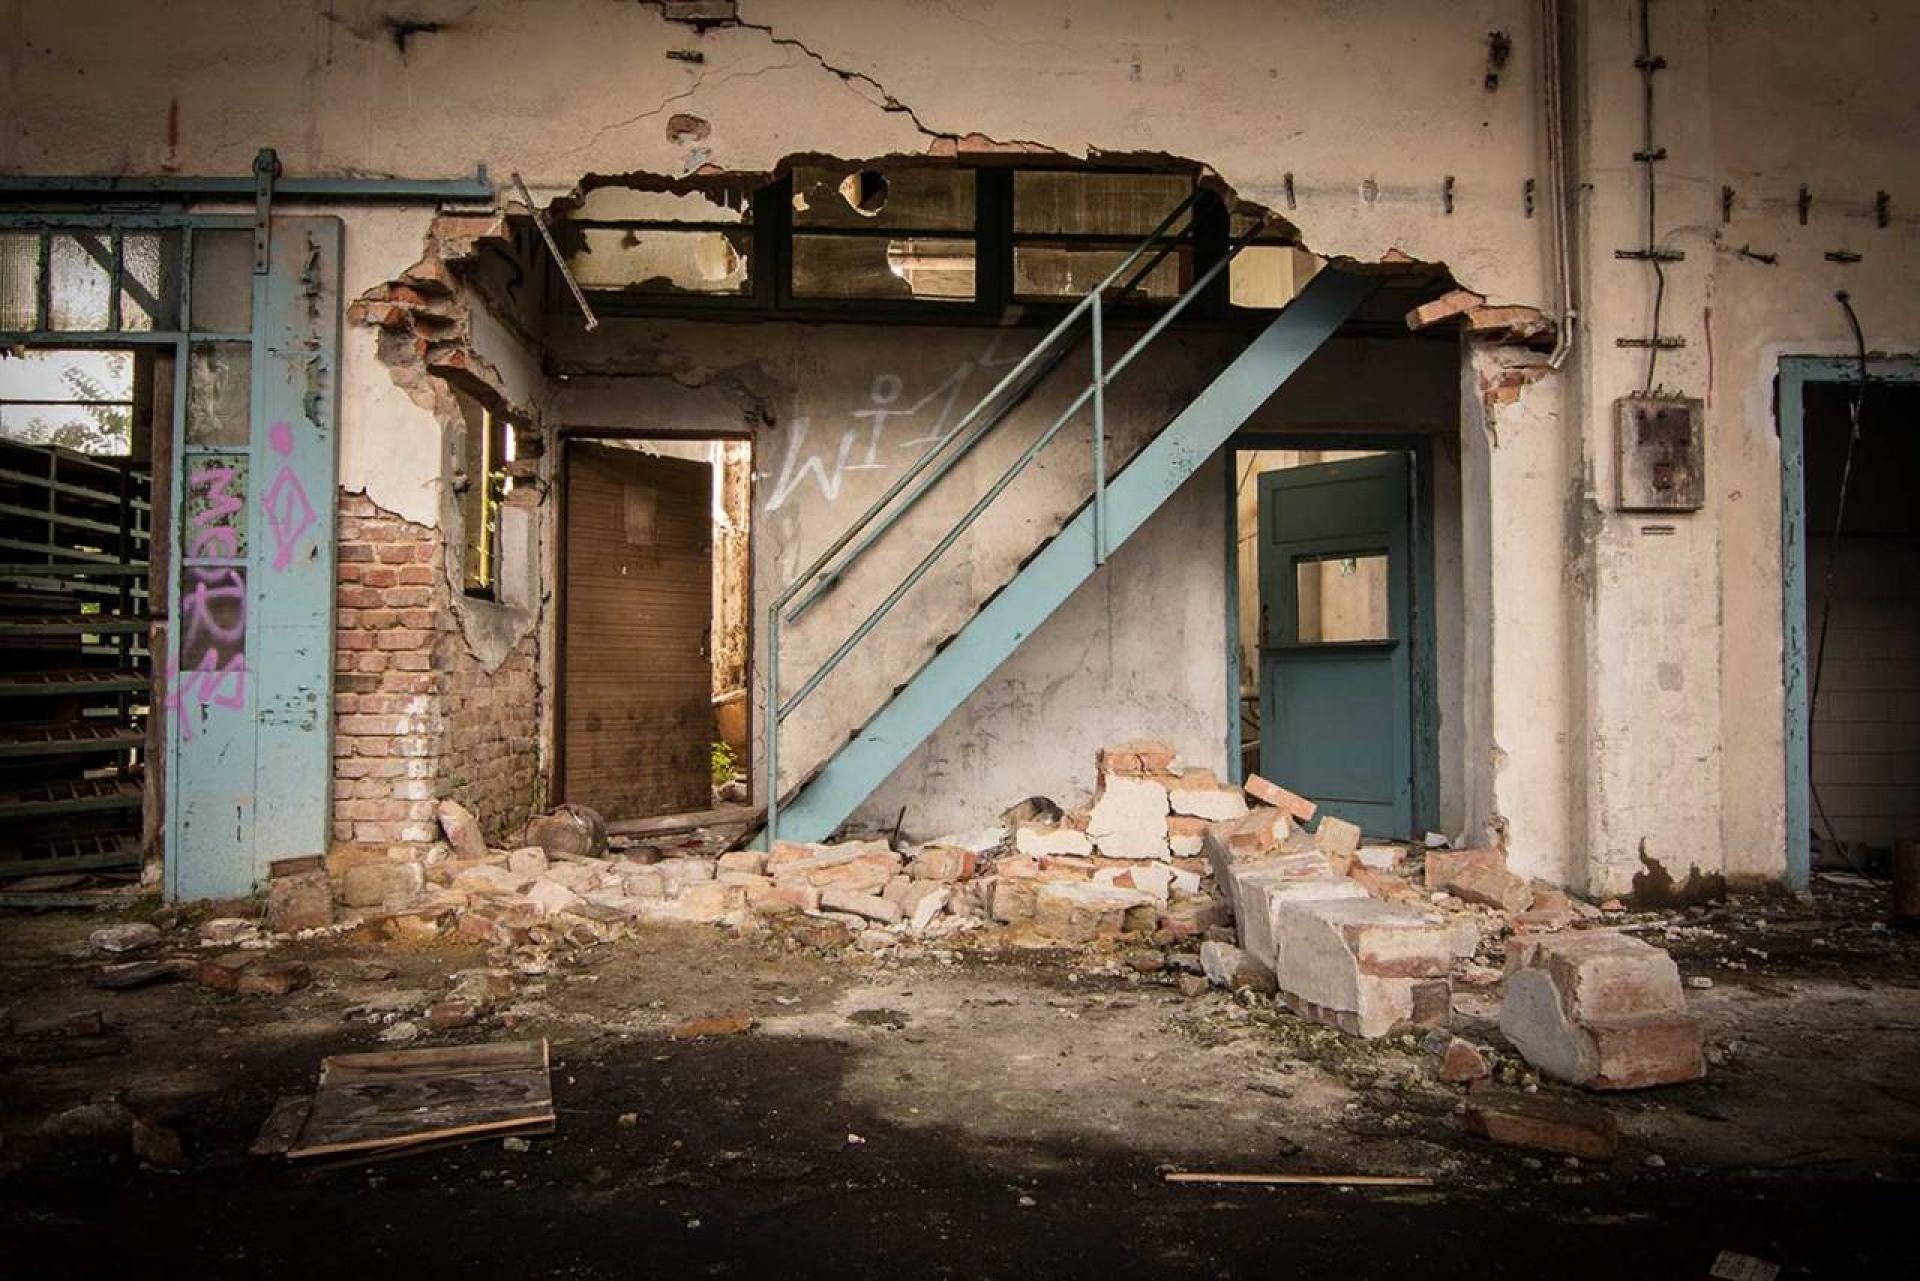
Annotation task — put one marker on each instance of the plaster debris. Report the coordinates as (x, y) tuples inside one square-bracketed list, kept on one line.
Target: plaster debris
[(117, 939), (1600, 1009)]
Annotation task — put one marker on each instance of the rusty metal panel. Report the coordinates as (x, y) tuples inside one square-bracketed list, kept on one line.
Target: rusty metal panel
[(637, 709)]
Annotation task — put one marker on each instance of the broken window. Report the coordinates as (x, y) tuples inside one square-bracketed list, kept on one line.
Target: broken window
[(1071, 228), (878, 234), (78, 399), (101, 280), (660, 242)]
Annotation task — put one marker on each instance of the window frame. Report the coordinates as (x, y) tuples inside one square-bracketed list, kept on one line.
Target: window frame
[(495, 429), (770, 266)]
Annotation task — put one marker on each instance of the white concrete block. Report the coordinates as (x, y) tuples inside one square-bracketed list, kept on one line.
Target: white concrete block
[(1064, 841)]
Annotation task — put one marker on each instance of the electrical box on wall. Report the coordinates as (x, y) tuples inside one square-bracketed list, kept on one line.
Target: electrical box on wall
[(1662, 465)]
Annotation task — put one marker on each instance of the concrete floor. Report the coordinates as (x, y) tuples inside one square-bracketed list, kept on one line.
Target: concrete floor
[(988, 1113)]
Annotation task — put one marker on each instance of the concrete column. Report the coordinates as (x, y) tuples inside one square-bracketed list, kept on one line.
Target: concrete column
[(1515, 460), (1649, 744)]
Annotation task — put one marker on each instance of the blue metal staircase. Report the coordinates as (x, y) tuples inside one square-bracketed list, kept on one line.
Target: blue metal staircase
[(818, 804)]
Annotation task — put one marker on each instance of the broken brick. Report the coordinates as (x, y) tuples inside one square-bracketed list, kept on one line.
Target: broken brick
[(1269, 793), (1336, 836), (272, 978), (730, 1024), (1544, 1123)]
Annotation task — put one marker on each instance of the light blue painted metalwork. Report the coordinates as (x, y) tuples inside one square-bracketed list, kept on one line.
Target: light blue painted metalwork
[(249, 666), (1795, 373), (820, 804), (478, 188)]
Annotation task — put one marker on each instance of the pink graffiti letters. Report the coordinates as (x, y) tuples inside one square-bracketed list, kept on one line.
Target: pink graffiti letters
[(211, 532), (289, 511)]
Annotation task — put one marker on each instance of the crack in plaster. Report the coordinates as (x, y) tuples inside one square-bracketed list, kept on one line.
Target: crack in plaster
[(854, 79)]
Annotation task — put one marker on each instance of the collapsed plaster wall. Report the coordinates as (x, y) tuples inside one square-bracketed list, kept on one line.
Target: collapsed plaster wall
[(438, 691), (1278, 98)]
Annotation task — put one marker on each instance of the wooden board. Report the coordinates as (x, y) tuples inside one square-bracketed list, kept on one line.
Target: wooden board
[(636, 676), (387, 1101)]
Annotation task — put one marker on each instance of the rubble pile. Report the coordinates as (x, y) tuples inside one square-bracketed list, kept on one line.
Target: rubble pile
[(1257, 891)]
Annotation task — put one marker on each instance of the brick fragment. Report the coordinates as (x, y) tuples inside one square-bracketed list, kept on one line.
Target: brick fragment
[(1269, 793), (1543, 1123)]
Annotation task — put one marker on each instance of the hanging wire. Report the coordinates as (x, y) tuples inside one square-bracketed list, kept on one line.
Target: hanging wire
[(1854, 404), (1648, 156)]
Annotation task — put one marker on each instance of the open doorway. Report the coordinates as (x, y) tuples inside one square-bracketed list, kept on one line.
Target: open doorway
[(1333, 573), (1861, 619), (76, 556), (652, 705)]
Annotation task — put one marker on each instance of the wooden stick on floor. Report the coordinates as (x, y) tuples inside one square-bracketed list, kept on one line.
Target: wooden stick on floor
[(1343, 1180)]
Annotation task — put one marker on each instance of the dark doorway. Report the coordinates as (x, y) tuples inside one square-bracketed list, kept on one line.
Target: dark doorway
[(1863, 619)]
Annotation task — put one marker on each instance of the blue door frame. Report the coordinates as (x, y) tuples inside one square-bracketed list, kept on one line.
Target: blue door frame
[(1426, 696), (1796, 372)]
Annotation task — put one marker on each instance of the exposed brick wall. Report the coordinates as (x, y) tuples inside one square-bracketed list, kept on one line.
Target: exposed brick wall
[(491, 725), (417, 717)]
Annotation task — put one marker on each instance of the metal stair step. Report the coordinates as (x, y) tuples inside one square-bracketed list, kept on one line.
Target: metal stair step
[(85, 680), (102, 852), (75, 796), (28, 741), (71, 624)]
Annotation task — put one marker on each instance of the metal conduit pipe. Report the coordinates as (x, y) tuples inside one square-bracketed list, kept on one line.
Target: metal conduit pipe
[(1557, 184)]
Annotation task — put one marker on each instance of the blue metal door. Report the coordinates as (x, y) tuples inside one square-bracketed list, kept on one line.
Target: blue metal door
[(249, 667), (1336, 635)]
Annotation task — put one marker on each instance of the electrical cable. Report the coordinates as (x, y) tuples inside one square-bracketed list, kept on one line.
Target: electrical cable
[(1854, 404), (1648, 156)]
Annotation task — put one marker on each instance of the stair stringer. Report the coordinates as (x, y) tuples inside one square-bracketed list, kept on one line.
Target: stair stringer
[(833, 791)]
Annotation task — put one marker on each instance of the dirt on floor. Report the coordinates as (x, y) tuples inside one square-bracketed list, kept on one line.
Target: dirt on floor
[(992, 1112)]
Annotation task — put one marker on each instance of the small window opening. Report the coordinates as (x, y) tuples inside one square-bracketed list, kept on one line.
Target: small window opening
[(661, 242), (494, 465)]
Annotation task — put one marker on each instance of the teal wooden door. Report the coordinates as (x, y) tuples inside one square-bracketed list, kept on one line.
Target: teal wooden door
[(1336, 638), (249, 660)]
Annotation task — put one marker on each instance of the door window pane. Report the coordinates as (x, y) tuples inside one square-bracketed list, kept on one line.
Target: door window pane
[(1342, 598), (150, 280), (223, 281), (19, 280), (81, 282), (219, 391)]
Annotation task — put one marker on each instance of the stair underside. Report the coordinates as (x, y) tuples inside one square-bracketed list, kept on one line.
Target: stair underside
[(826, 797)]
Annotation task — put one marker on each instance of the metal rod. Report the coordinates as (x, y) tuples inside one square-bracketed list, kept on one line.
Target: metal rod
[(1099, 436), (773, 726), (540, 222), (476, 188), (920, 464), (1007, 478), (1172, 313)]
